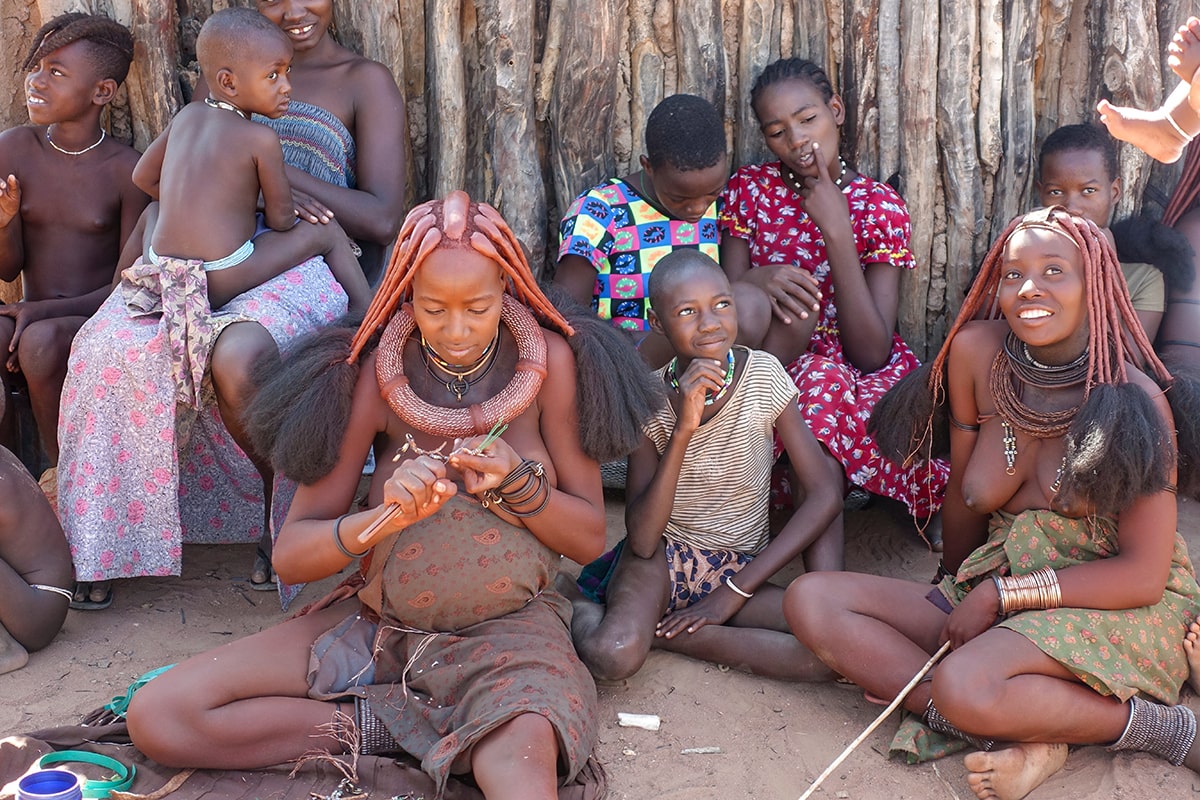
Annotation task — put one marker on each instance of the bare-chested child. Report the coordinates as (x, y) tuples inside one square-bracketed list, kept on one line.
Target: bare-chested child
[(67, 205), (35, 566), (210, 170), (1164, 132), (693, 573), (210, 166)]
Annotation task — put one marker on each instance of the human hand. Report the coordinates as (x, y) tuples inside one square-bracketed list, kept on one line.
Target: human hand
[(703, 376), (793, 292), (483, 468), (824, 201), (10, 200), (23, 314), (715, 609), (417, 489), (975, 614), (309, 208)]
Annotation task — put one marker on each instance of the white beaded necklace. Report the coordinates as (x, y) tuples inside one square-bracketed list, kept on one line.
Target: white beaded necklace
[(65, 152)]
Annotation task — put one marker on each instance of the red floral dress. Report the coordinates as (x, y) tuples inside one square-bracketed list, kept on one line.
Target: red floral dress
[(835, 397)]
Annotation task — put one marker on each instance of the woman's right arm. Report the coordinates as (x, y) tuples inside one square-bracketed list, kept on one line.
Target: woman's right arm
[(305, 550), (963, 529)]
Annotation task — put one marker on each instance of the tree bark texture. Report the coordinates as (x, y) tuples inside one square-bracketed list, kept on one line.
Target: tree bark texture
[(526, 104)]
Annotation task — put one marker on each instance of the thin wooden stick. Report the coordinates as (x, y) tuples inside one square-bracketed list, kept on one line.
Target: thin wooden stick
[(878, 720)]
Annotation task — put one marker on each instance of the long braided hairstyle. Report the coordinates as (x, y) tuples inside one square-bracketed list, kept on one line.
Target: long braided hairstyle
[(111, 42), (1117, 446), (792, 69), (299, 415)]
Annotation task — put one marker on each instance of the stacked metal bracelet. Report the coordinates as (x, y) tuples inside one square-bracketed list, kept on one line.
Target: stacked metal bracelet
[(1038, 589), (533, 485)]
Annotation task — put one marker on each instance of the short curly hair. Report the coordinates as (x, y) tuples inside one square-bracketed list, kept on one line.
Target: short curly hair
[(110, 44), (686, 132)]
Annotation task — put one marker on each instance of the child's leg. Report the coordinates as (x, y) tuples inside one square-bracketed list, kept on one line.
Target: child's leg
[(336, 249), (42, 352), (757, 639), (238, 349), (759, 328), (1161, 133), (1183, 56), (614, 639), (826, 553)]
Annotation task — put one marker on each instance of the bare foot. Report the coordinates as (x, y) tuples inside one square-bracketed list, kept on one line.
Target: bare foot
[(1191, 648), (1015, 771), (1183, 53), (12, 655), (1149, 131)]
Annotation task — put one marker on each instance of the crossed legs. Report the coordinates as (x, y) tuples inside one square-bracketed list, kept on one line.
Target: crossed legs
[(879, 631), (613, 640)]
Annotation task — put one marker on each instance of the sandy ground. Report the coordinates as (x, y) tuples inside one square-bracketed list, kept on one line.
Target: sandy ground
[(774, 738)]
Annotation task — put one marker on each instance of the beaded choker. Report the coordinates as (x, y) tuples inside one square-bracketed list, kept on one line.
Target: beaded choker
[(66, 152), (1043, 376), (221, 104), (793, 180), (1012, 364), (461, 383), (477, 419), (709, 398)]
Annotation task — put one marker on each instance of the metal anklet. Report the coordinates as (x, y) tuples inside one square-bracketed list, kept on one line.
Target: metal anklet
[(1163, 731), (935, 721)]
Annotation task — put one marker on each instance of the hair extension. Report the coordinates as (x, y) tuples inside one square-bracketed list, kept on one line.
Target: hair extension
[(1145, 240), (300, 410), (1187, 190), (792, 69), (111, 43), (686, 132), (617, 392), (1083, 136), (1132, 457)]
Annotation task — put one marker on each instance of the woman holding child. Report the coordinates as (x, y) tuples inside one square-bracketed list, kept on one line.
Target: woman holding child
[(452, 375), (127, 508), (823, 243), (1067, 587)]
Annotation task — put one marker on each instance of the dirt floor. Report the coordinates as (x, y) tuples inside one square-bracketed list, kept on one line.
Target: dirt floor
[(773, 738)]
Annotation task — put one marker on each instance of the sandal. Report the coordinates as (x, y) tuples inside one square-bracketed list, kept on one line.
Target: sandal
[(92, 596), (262, 567)]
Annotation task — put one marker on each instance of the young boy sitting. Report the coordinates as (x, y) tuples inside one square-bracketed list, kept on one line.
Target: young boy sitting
[(1077, 169), (67, 205), (692, 573), (207, 171), (208, 168)]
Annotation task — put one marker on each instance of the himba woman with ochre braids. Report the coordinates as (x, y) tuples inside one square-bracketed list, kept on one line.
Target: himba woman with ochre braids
[(472, 670), (1065, 586)]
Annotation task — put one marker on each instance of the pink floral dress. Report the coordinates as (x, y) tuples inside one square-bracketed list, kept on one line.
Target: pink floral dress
[(835, 397)]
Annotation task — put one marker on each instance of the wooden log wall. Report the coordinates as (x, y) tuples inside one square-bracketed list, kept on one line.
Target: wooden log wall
[(528, 102)]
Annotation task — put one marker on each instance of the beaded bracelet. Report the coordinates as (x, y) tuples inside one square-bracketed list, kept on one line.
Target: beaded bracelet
[(736, 590), (337, 539)]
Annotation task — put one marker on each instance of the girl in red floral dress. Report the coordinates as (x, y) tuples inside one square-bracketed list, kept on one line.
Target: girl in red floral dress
[(823, 243)]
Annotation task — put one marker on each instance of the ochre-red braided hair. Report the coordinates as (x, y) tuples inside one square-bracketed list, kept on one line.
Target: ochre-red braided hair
[(1110, 314), (453, 223), (1187, 190)]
